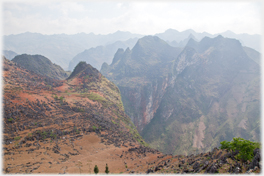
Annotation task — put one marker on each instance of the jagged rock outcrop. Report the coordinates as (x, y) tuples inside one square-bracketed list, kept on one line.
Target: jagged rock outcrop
[(98, 55), (142, 75), (189, 101), (214, 97)]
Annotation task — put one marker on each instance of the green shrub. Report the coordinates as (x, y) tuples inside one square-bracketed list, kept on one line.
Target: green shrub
[(17, 138), (55, 97), (81, 110), (94, 128), (106, 169), (44, 134), (96, 170), (10, 120), (245, 148), (54, 136), (225, 145)]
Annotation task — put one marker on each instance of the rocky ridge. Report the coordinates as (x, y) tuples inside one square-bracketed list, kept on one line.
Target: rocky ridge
[(41, 65), (177, 98), (142, 76), (48, 120)]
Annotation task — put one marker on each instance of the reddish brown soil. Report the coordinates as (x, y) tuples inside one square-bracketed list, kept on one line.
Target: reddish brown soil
[(91, 152), (87, 133)]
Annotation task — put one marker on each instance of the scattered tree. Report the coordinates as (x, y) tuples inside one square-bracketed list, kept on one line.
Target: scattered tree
[(96, 170), (106, 169), (243, 146)]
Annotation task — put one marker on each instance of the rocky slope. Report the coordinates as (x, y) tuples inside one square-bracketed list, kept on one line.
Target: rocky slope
[(41, 65), (54, 126), (188, 102), (253, 54)]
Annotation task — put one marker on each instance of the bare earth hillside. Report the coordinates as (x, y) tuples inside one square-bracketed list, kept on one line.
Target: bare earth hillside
[(69, 126)]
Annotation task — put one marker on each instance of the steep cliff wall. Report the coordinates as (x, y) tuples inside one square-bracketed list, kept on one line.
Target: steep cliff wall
[(215, 97), (142, 101), (189, 101), (142, 75)]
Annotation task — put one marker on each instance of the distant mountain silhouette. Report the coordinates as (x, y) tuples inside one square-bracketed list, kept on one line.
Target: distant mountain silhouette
[(100, 54), (60, 48), (9, 54), (174, 37)]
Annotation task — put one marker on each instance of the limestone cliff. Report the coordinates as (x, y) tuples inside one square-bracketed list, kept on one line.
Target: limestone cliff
[(185, 101), (142, 75)]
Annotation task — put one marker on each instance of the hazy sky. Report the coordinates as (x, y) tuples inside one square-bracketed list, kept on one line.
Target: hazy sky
[(103, 17)]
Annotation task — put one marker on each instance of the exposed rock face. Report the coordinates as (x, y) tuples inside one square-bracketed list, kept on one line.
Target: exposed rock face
[(41, 65), (142, 76), (142, 101), (190, 100)]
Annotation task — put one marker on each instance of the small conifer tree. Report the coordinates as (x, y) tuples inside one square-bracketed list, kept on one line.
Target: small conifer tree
[(96, 170), (106, 169)]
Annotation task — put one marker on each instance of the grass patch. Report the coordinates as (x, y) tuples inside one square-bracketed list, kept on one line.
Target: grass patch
[(17, 138), (10, 120), (95, 97)]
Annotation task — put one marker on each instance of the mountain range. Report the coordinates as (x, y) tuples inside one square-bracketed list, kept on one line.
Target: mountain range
[(187, 100), (100, 54), (70, 126), (172, 35), (66, 50), (60, 48), (160, 104)]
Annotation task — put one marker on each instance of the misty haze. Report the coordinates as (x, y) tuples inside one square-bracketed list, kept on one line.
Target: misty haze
[(131, 88)]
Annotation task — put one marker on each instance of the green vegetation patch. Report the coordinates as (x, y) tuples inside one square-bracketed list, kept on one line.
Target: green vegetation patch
[(245, 148), (96, 97), (17, 138)]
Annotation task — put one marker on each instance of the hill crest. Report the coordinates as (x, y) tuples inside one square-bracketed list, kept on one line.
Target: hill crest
[(40, 65)]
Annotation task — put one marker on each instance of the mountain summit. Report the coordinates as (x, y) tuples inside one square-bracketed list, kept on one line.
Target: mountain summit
[(84, 69), (41, 65), (58, 124), (190, 99), (137, 72)]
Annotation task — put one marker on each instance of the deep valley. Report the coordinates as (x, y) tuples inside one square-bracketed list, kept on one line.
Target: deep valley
[(156, 108)]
